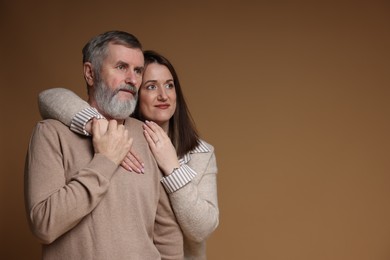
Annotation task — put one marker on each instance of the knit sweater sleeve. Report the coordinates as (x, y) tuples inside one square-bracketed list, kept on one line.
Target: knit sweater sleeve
[(55, 205), (196, 204), (61, 104)]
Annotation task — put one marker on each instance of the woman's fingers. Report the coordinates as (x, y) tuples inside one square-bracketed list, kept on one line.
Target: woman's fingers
[(156, 133), (136, 161), (151, 130), (133, 163), (150, 134)]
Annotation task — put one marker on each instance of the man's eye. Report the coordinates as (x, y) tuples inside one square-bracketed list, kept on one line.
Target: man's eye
[(138, 71), (121, 67)]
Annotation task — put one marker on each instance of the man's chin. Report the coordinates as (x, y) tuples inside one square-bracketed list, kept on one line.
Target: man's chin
[(124, 96), (122, 109)]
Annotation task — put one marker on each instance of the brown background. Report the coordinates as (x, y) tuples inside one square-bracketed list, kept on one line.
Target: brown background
[(293, 95)]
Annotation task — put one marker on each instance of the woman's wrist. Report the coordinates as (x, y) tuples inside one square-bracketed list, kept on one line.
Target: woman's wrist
[(178, 178), (171, 169)]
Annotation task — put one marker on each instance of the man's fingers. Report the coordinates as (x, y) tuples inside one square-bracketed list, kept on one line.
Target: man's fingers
[(112, 125), (115, 143), (128, 139), (96, 128)]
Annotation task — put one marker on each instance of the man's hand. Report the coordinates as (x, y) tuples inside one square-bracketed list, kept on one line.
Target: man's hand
[(132, 162), (103, 123), (114, 144)]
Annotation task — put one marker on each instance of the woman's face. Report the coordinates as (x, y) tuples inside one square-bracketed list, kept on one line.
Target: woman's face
[(157, 95)]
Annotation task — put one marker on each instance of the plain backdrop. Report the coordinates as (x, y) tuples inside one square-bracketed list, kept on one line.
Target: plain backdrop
[(294, 95)]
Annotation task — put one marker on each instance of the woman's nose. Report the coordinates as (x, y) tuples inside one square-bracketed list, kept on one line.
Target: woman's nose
[(162, 96)]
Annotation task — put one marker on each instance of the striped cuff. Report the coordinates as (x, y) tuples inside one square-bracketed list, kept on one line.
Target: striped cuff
[(81, 119), (178, 178)]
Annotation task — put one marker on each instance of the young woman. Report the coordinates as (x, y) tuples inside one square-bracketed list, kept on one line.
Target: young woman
[(187, 162)]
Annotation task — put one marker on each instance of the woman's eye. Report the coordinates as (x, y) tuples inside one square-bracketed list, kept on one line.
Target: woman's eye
[(169, 86), (151, 87)]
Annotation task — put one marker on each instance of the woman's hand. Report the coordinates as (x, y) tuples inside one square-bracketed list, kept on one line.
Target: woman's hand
[(161, 147), (133, 163)]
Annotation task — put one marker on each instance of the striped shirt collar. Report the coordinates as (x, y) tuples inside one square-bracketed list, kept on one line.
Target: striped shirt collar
[(201, 148)]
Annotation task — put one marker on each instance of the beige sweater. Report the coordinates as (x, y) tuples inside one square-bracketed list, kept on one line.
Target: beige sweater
[(195, 204), (82, 206)]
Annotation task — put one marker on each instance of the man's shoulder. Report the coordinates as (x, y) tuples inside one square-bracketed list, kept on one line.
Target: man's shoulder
[(51, 123), (133, 122), (137, 133), (55, 127)]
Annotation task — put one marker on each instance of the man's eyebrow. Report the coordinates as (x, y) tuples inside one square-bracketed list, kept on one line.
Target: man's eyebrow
[(121, 62)]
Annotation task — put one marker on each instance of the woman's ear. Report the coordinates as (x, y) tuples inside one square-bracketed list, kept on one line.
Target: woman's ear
[(88, 73)]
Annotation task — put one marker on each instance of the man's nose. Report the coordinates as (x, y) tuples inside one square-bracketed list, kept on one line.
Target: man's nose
[(131, 78)]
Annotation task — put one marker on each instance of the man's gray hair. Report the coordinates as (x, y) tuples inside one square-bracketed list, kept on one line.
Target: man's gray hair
[(95, 51)]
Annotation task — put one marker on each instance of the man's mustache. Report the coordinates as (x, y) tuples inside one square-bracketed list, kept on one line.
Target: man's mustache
[(126, 87)]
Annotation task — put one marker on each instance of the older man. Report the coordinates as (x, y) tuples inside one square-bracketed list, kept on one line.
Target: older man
[(79, 202)]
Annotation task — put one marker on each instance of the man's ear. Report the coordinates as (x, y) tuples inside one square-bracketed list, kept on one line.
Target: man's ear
[(88, 73)]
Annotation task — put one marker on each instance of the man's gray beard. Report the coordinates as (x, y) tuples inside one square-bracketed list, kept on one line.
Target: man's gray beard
[(108, 102)]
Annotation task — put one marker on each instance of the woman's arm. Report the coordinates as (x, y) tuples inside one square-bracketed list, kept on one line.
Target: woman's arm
[(61, 104), (196, 204), (64, 105), (192, 187)]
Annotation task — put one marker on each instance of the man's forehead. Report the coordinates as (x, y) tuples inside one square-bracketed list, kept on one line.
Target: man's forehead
[(126, 54)]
